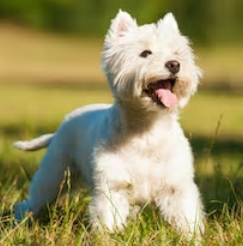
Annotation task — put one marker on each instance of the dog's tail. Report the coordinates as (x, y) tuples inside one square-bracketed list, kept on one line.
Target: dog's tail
[(35, 144)]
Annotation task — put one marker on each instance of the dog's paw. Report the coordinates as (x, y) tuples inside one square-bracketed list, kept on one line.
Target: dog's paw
[(21, 210)]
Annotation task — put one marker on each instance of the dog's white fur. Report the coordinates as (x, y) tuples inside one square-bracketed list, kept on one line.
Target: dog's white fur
[(134, 151)]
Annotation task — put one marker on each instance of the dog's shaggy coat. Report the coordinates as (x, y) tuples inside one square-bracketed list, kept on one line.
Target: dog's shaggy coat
[(134, 151)]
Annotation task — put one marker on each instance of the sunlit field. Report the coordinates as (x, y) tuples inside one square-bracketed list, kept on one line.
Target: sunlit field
[(44, 77)]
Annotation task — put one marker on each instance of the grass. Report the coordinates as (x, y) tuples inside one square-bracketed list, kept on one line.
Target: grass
[(47, 57), (34, 97), (221, 66), (27, 103), (206, 109), (219, 171)]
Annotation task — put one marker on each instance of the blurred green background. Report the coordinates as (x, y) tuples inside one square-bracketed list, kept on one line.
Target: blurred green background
[(49, 65), (57, 42), (206, 21)]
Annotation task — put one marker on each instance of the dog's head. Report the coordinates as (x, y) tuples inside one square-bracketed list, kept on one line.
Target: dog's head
[(151, 65)]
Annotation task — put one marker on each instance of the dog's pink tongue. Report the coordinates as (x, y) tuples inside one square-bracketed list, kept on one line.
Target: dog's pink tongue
[(166, 97)]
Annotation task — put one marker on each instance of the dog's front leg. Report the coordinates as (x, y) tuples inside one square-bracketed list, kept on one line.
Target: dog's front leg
[(110, 203), (181, 206), (109, 208)]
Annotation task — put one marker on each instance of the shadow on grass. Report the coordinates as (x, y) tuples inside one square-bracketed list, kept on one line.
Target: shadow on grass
[(221, 191), (219, 173), (221, 147)]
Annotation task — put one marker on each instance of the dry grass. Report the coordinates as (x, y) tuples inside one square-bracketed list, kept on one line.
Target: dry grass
[(222, 66), (33, 57), (27, 55)]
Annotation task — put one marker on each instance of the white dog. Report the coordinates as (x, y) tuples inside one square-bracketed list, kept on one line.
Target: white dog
[(133, 151)]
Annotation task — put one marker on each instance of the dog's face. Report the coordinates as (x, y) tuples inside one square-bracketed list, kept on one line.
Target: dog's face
[(150, 64)]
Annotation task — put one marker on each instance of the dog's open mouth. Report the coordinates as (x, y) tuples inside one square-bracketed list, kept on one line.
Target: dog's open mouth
[(161, 92)]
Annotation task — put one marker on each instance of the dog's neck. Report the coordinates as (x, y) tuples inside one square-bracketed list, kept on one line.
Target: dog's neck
[(135, 119)]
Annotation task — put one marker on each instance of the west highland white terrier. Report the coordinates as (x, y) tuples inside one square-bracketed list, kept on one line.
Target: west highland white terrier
[(134, 151)]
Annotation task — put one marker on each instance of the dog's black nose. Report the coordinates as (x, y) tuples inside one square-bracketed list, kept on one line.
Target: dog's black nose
[(173, 66)]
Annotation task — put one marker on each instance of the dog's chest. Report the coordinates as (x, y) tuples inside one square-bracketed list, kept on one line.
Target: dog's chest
[(146, 178), (148, 166)]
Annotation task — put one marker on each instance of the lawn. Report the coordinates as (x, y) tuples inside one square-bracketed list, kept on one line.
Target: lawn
[(43, 77), (212, 127)]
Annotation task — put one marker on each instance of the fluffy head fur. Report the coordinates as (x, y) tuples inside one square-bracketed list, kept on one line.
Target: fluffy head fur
[(129, 74)]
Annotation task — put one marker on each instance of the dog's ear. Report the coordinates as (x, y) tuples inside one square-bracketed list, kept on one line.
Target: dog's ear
[(122, 23), (168, 23)]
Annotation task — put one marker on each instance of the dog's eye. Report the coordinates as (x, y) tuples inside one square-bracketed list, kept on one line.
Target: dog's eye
[(146, 53)]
